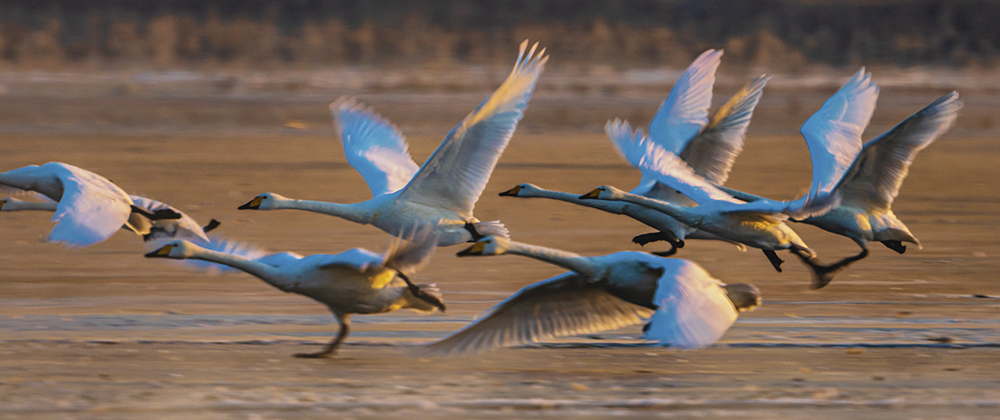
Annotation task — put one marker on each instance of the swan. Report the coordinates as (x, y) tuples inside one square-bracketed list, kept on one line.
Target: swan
[(829, 134), (686, 307), (444, 191), (89, 208), (683, 127), (356, 281), (868, 188)]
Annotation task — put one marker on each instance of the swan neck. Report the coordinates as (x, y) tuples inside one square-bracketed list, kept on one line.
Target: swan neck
[(616, 207), (355, 212), (568, 260), (265, 272), (670, 209)]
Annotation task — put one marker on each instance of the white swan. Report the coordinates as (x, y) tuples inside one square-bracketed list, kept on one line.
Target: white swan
[(444, 191), (686, 307), (683, 127), (356, 281), (90, 207), (868, 188), (830, 134)]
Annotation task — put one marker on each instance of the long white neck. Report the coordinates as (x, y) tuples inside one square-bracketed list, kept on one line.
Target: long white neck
[(18, 205), (616, 207), (677, 212), (568, 260), (265, 272), (356, 212)]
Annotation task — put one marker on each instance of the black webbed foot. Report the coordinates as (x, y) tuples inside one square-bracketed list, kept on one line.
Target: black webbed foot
[(895, 246), (418, 293), (774, 259)]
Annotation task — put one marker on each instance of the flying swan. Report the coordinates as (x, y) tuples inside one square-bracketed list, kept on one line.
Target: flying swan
[(444, 191), (89, 208), (686, 307), (683, 127), (356, 281)]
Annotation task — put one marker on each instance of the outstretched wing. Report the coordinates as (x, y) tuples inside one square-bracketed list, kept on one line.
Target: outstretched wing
[(692, 309), (833, 133), (373, 146), (876, 175), (685, 111), (713, 151), (412, 254), (657, 163), (455, 175), (91, 209), (561, 306)]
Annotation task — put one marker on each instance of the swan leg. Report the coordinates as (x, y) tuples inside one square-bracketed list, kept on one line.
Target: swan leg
[(774, 259), (671, 251), (823, 274), (345, 328), (212, 224), (895, 246), (161, 214), (475, 238), (420, 294), (646, 238)]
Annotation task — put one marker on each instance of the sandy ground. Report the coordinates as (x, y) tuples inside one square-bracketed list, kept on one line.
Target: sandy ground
[(103, 333)]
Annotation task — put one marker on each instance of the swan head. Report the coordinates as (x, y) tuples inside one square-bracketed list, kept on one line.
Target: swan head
[(7, 203), (490, 245), (745, 297), (178, 250), (522, 190), (266, 201), (606, 192)]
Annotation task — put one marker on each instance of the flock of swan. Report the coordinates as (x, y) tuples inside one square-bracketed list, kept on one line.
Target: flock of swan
[(684, 160)]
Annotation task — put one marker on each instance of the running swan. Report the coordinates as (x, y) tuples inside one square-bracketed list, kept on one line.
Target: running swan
[(683, 127), (444, 191), (686, 307), (356, 281), (89, 208), (829, 134), (873, 180)]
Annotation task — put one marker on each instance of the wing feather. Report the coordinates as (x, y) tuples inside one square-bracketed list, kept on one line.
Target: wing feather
[(713, 151), (91, 208), (874, 179), (692, 309), (685, 111), (561, 306), (455, 175), (373, 146)]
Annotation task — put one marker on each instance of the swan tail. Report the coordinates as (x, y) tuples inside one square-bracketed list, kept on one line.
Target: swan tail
[(887, 228), (492, 228)]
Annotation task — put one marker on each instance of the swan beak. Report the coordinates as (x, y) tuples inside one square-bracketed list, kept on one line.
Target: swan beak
[(1, 204), (512, 192), (161, 253), (253, 204), (591, 195), (476, 249)]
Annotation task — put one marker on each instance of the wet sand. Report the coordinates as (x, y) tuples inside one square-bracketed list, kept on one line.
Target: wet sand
[(103, 333)]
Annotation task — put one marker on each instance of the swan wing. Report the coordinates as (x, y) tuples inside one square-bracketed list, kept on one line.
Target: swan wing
[(692, 309), (833, 134), (412, 255), (874, 179), (91, 209), (657, 163), (357, 258), (456, 174), (373, 146), (685, 111), (713, 151), (561, 306)]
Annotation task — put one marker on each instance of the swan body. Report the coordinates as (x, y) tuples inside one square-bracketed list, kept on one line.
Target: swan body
[(872, 182), (683, 127), (686, 307), (356, 281), (89, 208), (441, 193)]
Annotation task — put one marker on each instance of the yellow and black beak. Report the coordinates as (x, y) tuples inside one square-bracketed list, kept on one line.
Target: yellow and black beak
[(1, 204), (476, 249), (253, 204), (591, 195), (512, 192), (161, 253)]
